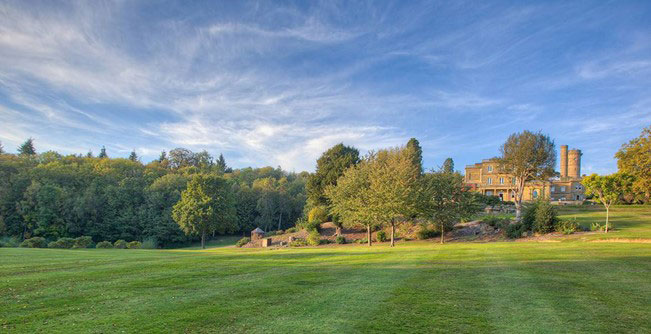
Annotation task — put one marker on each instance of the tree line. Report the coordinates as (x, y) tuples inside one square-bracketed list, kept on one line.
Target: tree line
[(54, 196)]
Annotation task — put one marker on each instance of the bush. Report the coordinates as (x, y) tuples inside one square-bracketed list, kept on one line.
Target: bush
[(292, 230), (427, 233), (496, 222), (120, 244), (514, 231), (83, 242), (567, 226), (381, 236), (529, 216), (65, 243), (298, 243), (242, 242), (596, 227), (36, 242), (10, 241), (361, 241), (546, 217), (150, 243), (340, 240), (104, 244), (134, 245), (314, 239)]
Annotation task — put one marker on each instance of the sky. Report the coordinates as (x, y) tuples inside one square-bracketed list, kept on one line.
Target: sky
[(276, 83)]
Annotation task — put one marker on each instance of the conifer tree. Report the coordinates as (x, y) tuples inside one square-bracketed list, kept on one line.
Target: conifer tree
[(133, 156), (1, 149), (102, 153), (448, 165), (221, 163), (27, 148), (416, 152)]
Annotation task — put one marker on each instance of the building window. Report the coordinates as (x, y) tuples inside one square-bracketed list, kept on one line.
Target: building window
[(578, 187), (501, 180), (490, 169), (553, 189), (535, 194), (513, 194), (513, 181), (489, 181), (562, 189), (489, 193)]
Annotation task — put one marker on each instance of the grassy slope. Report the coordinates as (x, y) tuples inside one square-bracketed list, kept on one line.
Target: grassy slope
[(415, 287)]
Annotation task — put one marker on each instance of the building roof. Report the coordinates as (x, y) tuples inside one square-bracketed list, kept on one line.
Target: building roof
[(257, 231)]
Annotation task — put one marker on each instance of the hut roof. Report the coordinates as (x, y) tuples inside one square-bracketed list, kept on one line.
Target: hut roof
[(257, 231)]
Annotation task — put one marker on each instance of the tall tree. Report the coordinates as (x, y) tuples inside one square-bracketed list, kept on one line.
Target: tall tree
[(163, 156), (445, 200), (448, 165), (1, 148), (527, 156), (27, 148), (394, 181), (133, 156), (221, 163), (329, 167), (634, 158), (206, 205), (89, 154), (608, 189), (102, 153), (350, 199), (417, 152)]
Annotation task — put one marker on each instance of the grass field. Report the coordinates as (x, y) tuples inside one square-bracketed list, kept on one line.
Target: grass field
[(419, 287)]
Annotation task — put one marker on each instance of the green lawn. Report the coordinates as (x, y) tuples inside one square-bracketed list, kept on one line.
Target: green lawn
[(219, 241), (418, 287)]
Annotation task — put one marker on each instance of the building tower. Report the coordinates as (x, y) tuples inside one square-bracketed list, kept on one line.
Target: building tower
[(574, 163), (563, 160)]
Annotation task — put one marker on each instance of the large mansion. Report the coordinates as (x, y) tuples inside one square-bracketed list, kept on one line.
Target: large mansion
[(485, 178)]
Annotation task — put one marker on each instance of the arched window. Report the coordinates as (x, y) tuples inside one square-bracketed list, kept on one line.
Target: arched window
[(535, 194)]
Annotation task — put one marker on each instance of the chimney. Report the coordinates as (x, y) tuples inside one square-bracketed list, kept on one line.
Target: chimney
[(563, 160), (574, 164)]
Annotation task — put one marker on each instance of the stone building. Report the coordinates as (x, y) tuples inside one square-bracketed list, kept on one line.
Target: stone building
[(485, 177)]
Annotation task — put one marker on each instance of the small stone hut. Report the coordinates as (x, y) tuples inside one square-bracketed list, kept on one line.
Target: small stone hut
[(257, 234)]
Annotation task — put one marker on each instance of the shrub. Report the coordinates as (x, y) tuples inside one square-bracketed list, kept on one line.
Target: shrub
[(340, 240), (10, 241), (2, 244), (496, 222), (292, 230), (529, 216), (298, 243), (595, 227), (62, 243), (134, 245), (242, 242), (314, 238), (361, 241), (381, 236), (514, 231), (546, 217), (567, 226), (36, 242), (104, 244), (315, 218), (83, 242), (427, 233), (150, 243), (120, 244)]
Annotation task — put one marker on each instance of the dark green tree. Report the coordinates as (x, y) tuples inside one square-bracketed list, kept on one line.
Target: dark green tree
[(163, 156), (27, 148), (133, 156), (1, 148), (448, 165), (329, 167), (417, 152), (102, 153), (221, 163)]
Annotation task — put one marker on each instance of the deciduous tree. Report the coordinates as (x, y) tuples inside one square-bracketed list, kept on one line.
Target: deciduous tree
[(329, 167), (634, 158), (607, 189)]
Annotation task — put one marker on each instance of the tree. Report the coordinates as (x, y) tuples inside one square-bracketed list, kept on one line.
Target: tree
[(206, 205), (634, 158), (221, 163), (329, 167), (133, 156), (417, 152), (2, 151), (181, 157), (608, 189), (448, 165), (394, 181), (102, 153), (445, 200), (89, 154), (527, 156), (163, 156), (350, 198), (27, 148)]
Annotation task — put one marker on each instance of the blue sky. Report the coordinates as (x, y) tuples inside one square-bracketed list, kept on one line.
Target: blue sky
[(277, 83)]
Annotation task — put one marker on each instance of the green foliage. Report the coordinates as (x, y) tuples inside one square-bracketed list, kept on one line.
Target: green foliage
[(35, 242), (448, 165), (314, 238), (291, 230), (515, 230), (381, 236), (10, 241), (426, 232), (329, 167), (134, 245), (545, 218), (317, 215), (496, 222), (567, 226), (608, 189), (104, 244), (340, 240), (243, 242), (529, 217), (634, 158), (120, 244), (83, 242), (298, 243), (416, 154), (27, 148), (480, 198), (150, 243), (65, 243)]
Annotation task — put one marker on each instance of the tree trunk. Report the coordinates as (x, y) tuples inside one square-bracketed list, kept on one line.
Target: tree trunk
[(607, 212), (368, 234), (518, 210), (280, 219), (393, 233), (203, 240), (338, 231), (442, 233)]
